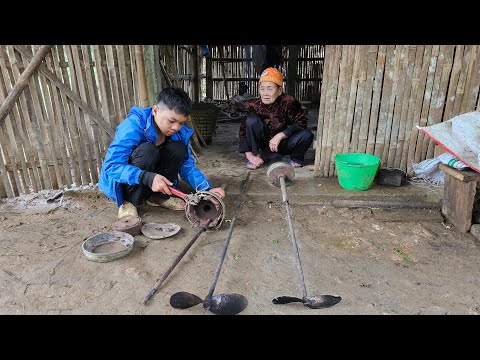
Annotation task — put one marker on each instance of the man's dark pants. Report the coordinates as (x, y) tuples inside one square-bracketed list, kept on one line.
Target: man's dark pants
[(165, 160)]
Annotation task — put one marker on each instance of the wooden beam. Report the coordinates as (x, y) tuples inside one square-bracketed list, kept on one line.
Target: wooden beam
[(292, 69), (22, 82)]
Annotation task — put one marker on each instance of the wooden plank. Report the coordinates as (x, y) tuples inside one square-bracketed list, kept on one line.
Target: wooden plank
[(473, 92), (20, 113), (330, 52), (418, 106), (410, 61), (70, 131), (31, 119), (332, 97), (401, 78), (52, 137), (320, 126), (14, 114), (352, 96), (385, 101), (426, 102), (457, 202), (462, 80), (129, 63), (442, 91), (340, 116), (133, 73), (377, 90), (396, 90), (433, 100), (417, 66), (359, 99), (63, 141), (464, 175), (32, 108), (92, 90), (141, 79), (367, 98), (346, 78), (77, 121), (112, 77), (107, 102), (3, 191), (85, 124), (452, 86), (469, 97), (122, 71), (223, 72), (5, 176)]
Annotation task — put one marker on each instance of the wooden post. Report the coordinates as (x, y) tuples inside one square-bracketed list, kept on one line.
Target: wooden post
[(222, 60), (142, 83), (209, 78), (23, 81), (196, 86), (458, 196), (292, 69)]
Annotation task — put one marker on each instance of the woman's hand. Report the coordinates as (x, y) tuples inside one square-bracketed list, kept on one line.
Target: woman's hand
[(273, 143)]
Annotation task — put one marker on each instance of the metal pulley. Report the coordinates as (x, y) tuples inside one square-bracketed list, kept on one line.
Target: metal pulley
[(203, 206)]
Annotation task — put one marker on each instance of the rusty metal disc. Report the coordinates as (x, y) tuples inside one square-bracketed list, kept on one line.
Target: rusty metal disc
[(159, 231), (121, 241), (206, 209), (130, 224), (278, 169)]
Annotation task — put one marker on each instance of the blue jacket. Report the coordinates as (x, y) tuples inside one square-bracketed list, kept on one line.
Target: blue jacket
[(136, 129)]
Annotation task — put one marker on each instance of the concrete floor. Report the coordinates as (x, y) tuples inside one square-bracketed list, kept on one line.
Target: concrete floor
[(221, 162)]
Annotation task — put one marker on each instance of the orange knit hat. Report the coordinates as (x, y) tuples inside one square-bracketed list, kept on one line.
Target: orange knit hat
[(273, 75)]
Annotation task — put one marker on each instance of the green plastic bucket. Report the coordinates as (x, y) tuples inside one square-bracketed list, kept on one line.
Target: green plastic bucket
[(356, 171)]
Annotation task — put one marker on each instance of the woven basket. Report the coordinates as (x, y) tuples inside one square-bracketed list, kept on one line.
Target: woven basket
[(205, 116)]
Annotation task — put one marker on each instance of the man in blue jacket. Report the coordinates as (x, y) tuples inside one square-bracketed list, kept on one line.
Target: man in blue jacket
[(150, 149)]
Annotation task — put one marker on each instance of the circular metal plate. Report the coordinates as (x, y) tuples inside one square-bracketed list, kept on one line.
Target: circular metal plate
[(278, 169), (206, 209), (159, 231), (130, 224), (123, 239)]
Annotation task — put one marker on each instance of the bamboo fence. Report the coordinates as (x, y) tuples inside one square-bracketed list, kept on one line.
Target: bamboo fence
[(58, 131)]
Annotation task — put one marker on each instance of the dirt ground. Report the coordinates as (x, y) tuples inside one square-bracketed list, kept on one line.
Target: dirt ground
[(379, 260)]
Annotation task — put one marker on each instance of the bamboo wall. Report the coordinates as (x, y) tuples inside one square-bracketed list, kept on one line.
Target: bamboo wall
[(372, 99), (234, 63), (58, 131), (375, 96)]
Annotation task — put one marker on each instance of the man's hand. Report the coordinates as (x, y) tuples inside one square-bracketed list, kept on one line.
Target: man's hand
[(273, 143), (218, 191), (160, 184)]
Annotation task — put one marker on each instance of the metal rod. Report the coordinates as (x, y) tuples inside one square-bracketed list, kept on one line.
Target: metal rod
[(292, 237), (174, 263), (206, 302)]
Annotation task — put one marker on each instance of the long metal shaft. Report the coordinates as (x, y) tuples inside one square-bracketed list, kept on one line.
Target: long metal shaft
[(292, 236), (175, 262), (206, 302)]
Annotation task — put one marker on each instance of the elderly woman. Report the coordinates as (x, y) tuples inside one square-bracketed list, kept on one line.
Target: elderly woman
[(275, 125)]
